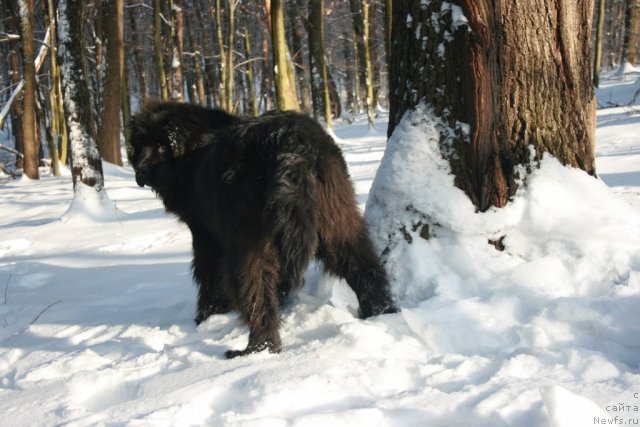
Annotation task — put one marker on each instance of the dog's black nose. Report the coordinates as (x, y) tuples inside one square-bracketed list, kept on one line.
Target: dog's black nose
[(139, 180)]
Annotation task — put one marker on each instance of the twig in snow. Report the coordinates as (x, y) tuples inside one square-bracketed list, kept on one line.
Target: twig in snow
[(42, 312), (6, 288)]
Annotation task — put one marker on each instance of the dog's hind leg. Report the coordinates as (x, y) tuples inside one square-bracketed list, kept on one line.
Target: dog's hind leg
[(206, 266), (345, 247), (291, 212), (257, 276)]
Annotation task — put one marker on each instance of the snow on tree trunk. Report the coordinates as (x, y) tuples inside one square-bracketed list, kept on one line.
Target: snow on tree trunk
[(90, 199), (478, 95), (501, 78)]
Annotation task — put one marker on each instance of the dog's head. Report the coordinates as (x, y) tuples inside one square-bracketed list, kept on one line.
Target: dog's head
[(152, 147), (165, 131)]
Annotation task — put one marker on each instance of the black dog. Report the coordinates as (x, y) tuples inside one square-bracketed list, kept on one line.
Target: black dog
[(261, 197)]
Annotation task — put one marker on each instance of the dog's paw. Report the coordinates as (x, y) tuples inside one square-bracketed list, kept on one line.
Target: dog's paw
[(272, 347)]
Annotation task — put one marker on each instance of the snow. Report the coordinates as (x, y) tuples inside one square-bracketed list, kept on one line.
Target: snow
[(96, 312)]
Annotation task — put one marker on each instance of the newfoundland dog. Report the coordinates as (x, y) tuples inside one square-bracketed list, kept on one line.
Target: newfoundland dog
[(261, 196)]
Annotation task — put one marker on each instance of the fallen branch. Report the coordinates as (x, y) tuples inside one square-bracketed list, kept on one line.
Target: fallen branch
[(11, 150), (42, 54)]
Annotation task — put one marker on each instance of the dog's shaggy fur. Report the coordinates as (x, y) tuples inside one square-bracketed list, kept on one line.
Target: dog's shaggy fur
[(261, 197)]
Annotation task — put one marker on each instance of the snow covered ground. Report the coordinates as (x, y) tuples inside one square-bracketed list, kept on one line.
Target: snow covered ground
[(96, 315)]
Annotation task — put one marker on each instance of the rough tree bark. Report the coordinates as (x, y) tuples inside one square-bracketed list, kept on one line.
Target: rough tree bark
[(108, 138), (503, 77), (86, 166), (30, 136)]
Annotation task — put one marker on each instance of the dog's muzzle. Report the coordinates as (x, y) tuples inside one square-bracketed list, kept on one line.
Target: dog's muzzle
[(140, 179)]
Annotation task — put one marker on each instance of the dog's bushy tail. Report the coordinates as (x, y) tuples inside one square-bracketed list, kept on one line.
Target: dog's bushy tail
[(291, 209)]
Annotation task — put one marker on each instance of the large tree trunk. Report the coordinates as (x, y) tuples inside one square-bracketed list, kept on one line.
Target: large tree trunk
[(503, 79), (86, 166), (30, 135), (110, 124)]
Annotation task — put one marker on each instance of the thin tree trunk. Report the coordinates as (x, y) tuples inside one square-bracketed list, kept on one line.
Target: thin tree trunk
[(177, 32), (125, 98), (266, 83), (29, 125), (228, 82), (195, 47), (350, 75), (286, 96), (58, 128), (300, 71), (358, 47), (253, 99), (99, 41), (157, 51), (501, 81), (597, 63), (368, 68), (318, 69), (16, 109), (108, 138), (138, 56)]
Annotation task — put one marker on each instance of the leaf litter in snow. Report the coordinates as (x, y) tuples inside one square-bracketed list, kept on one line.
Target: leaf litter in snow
[(97, 328)]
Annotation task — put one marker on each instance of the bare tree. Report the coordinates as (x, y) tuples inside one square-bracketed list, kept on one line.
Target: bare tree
[(318, 68), (597, 63), (86, 166), (30, 135), (157, 51), (286, 96), (108, 138), (631, 33)]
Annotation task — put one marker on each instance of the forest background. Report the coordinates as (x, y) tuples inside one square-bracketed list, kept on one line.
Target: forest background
[(217, 53)]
